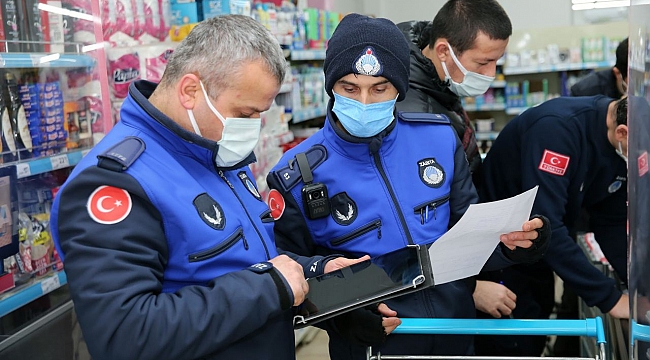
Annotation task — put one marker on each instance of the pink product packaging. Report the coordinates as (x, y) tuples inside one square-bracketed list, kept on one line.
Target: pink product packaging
[(124, 17), (165, 18), (139, 22), (155, 59), (153, 16), (109, 17), (94, 107), (83, 29), (124, 68)]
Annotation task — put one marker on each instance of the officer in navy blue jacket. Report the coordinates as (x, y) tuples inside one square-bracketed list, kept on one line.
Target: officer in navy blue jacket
[(575, 149), (161, 226), (609, 82), (389, 180)]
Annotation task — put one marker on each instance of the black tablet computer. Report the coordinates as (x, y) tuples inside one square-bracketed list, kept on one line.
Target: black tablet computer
[(380, 278)]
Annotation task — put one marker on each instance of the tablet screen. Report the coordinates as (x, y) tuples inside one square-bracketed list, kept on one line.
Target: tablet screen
[(360, 283)]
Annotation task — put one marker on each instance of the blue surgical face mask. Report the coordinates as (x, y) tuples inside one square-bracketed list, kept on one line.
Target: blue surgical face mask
[(363, 120)]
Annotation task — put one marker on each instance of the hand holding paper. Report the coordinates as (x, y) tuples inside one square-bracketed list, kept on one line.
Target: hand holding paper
[(463, 250)]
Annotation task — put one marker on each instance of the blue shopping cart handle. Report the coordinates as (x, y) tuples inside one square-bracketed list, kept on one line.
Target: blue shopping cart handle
[(639, 332), (592, 327)]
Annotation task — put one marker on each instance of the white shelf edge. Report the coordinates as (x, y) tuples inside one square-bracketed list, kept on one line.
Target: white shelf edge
[(555, 68)]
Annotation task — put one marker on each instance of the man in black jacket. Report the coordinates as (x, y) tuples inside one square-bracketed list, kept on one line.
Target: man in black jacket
[(610, 82), (455, 55)]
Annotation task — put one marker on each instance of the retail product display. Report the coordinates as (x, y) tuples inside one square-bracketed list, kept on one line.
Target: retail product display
[(53, 92)]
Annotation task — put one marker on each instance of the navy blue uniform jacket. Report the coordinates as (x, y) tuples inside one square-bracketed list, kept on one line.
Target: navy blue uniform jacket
[(562, 146), (169, 276)]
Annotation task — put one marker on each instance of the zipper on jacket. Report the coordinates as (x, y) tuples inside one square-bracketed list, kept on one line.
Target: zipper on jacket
[(266, 217), (221, 247), (423, 209), (223, 176), (358, 232), (402, 220)]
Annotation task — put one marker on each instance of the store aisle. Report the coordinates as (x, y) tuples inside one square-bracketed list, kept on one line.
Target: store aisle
[(314, 349)]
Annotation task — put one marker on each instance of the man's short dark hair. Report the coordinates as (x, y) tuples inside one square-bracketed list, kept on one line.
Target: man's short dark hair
[(620, 109), (459, 21), (621, 58)]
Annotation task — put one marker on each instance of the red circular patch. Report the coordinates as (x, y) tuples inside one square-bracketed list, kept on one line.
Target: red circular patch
[(109, 205), (276, 204)]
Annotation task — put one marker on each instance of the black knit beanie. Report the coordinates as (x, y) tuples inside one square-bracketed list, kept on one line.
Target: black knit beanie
[(367, 46)]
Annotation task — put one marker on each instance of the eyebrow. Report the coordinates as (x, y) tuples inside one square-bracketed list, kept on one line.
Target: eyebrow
[(385, 81)]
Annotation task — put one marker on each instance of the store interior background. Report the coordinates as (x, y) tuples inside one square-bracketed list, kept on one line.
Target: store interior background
[(536, 24)]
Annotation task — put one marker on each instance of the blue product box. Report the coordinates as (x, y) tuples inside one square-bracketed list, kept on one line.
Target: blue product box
[(184, 12), (212, 8)]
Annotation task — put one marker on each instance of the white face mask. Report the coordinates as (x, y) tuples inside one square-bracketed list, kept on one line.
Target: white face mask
[(619, 151), (473, 84), (239, 136)]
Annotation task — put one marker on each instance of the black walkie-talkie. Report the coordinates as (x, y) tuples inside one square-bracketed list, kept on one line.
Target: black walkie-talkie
[(314, 195)]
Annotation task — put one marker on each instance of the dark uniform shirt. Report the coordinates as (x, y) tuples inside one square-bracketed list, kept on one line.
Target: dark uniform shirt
[(597, 83), (562, 146)]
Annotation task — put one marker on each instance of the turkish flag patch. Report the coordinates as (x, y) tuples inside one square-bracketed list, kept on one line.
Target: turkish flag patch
[(109, 205), (554, 163), (643, 163), (276, 204)]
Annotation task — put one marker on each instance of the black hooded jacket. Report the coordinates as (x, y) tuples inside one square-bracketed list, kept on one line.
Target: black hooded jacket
[(427, 93)]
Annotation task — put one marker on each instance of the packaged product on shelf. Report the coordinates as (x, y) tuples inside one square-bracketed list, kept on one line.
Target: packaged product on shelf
[(12, 24), (124, 68), (165, 19), (55, 26), (77, 124), (154, 60), (38, 27), (152, 19), (115, 110), (240, 7), (123, 30), (213, 8), (84, 29), (109, 17), (8, 150), (43, 105), (17, 117), (138, 19), (3, 38)]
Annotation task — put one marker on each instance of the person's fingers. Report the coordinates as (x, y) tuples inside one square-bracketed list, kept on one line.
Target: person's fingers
[(510, 304), (386, 311), (390, 323), (511, 295), (341, 262), (531, 225)]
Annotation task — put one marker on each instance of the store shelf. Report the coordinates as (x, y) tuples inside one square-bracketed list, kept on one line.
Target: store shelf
[(492, 135), (314, 54), (516, 110), (308, 114), (553, 68), (484, 107), (15, 299), (498, 84), (42, 165), (38, 60)]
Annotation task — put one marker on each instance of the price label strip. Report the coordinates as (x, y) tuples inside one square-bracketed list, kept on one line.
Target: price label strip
[(59, 162), (50, 284)]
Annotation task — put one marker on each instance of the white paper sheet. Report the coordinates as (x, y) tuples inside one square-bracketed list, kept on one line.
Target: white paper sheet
[(463, 250)]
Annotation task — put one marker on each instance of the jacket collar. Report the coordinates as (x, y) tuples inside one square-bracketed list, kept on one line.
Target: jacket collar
[(143, 115)]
